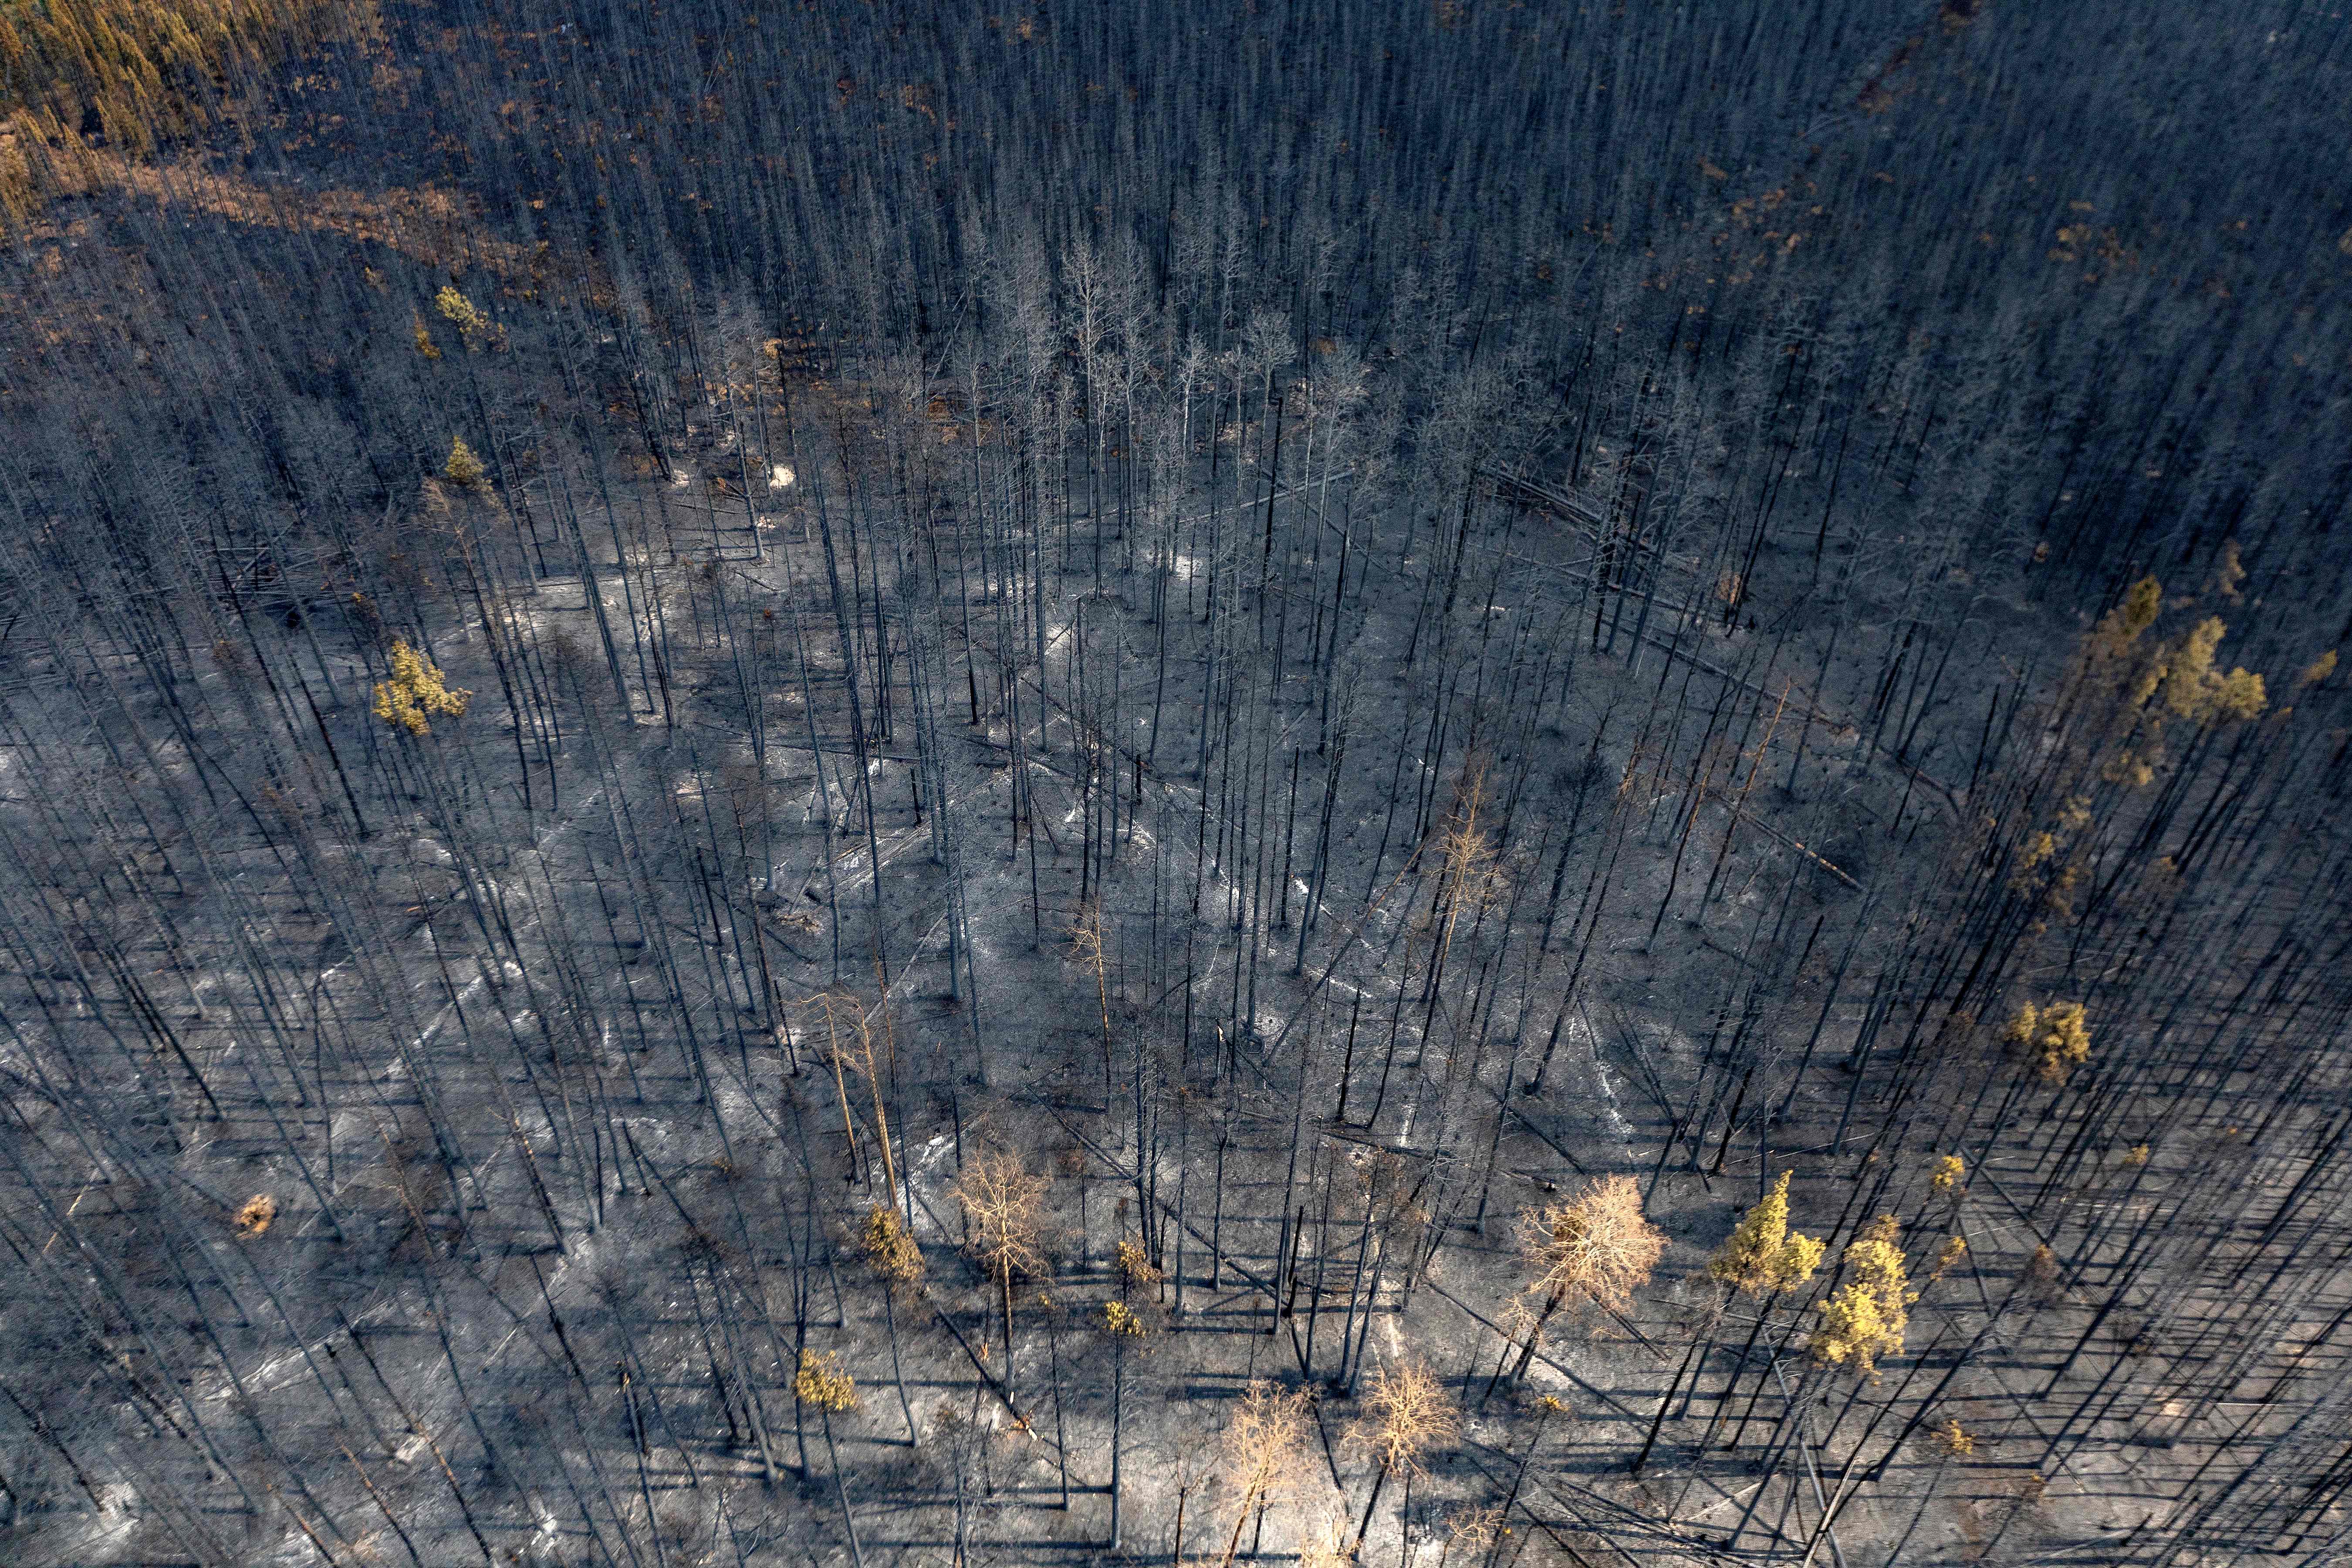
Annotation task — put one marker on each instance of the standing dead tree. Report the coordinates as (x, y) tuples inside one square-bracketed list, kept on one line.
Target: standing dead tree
[(1264, 1453), (1407, 1412), (1006, 1205), (1596, 1249)]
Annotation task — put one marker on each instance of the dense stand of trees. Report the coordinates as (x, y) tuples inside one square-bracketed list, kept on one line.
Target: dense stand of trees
[(1472, 780)]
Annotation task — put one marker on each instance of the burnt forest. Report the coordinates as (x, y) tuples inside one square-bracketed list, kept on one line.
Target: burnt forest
[(1453, 783)]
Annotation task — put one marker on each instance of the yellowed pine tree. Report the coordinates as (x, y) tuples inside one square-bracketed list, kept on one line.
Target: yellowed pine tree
[(889, 1249), (2132, 686), (475, 329), (1949, 1177), (820, 1382), (464, 468), (1865, 1318), (416, 691), (2054, 1039), (1762, 1256)]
